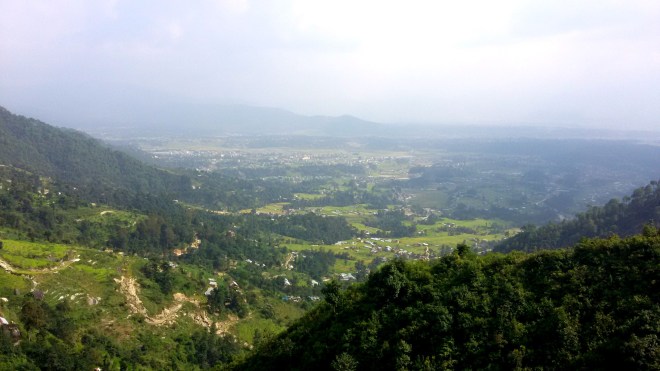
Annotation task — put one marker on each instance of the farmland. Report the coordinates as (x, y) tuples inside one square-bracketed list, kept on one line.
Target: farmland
[(443, 192)]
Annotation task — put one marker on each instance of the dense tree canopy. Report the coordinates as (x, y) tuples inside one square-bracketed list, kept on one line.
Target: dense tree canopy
[(596, 306)]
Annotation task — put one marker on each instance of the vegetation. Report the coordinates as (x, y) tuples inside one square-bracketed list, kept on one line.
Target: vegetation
[(65, 154), (96, 173), (108, 262), (593, 307), (623, 218)]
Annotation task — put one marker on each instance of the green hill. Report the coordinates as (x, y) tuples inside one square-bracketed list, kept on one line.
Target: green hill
[(98, 173), (88, 285), (596, 306), (622, 217), (76, 158), (90, 272), (74, 308)]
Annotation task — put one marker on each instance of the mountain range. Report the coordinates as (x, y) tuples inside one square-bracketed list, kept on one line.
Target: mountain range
[(222, 120), (178, 119)]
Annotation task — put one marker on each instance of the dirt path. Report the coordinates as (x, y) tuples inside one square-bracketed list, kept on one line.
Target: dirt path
[(289, 259), (11, 269), (6, 266), (130, 288), (223, 327)]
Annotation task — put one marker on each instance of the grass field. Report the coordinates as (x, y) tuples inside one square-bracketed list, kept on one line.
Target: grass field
[(33, 255), (429, 237), (245, 329), (10, 282), (438, 238), (308, 196)]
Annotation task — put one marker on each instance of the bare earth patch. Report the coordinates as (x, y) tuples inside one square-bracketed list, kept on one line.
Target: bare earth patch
[(129, 287)]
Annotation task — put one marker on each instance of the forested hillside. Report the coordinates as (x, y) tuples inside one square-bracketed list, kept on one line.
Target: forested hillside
[(622, 217), (96, 274), (596, 306), (70, 155), (101, 174)]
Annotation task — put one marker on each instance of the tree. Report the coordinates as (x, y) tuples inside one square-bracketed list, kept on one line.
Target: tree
[(165, 278), (237, 303), (216, 300), (344, 362), (64, 326), (332, 294), (361, 270), (34, 313), (463, 250)]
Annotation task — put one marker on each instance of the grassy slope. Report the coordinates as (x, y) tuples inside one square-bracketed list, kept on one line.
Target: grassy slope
[(77, 274)]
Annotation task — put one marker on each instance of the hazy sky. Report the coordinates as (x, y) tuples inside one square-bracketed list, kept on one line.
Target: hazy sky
[(570, 63)]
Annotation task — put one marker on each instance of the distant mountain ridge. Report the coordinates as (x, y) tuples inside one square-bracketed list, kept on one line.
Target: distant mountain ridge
[(221, 120), (175, 118)]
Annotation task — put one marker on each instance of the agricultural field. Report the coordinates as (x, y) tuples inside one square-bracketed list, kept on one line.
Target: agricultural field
[(514, 180), (112, 290), (472, 192), (428, 241), (34, 256)]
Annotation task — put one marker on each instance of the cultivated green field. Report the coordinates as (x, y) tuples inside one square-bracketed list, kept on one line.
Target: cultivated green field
[(34, 255)]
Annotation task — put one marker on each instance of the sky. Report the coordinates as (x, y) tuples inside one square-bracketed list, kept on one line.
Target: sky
[(579, 63)]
